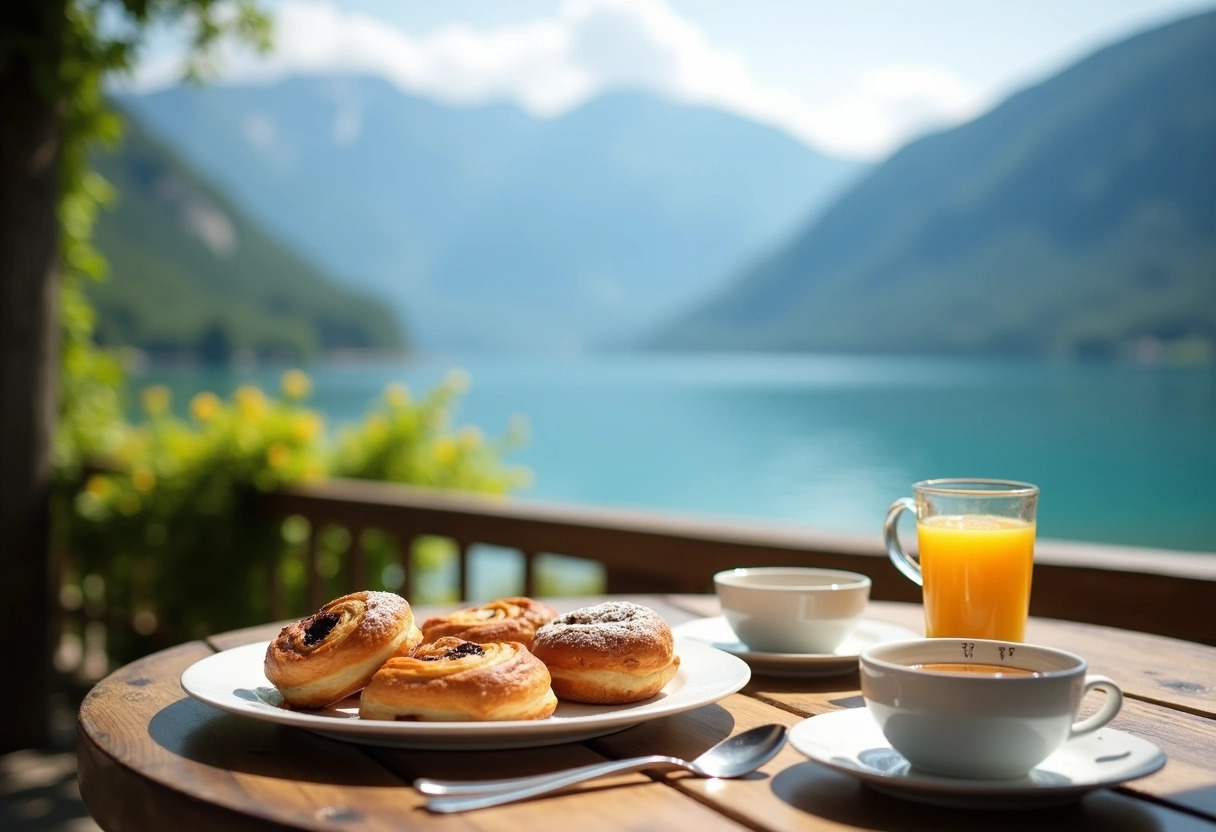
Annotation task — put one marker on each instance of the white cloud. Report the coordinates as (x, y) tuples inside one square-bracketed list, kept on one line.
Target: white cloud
[(888, 105), (552, 64)]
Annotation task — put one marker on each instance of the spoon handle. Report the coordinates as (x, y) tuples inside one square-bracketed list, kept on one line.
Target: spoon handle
[(429, 786), (463, 797)]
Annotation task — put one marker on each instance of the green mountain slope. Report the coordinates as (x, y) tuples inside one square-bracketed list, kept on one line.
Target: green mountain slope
[(1076, 218), (487, 228), (191, 275)]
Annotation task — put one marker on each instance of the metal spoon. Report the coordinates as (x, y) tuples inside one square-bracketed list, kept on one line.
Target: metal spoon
[(733, 757)]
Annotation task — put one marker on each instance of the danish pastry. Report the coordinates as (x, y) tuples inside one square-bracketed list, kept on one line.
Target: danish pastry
[(334, 652), (611, 653), (459, 681), (507, 619)]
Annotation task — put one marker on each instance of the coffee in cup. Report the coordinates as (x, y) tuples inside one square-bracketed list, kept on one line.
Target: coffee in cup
[(979, 708)]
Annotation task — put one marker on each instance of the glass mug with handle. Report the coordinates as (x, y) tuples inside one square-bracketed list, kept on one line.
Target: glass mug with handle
[(976, 539)]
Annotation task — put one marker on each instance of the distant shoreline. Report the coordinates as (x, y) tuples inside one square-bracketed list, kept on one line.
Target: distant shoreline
[(1146, 353)]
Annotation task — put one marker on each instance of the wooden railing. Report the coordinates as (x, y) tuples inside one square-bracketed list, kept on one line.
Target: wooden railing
[(1163, 592)]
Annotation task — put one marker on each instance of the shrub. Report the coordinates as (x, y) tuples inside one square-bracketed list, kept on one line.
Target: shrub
[(168, 524)]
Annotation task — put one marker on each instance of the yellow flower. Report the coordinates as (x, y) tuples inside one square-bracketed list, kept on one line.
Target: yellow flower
[(278, 456), (98, 486), (250, 401), (296, 384), (397, 395), (157, 399), (376, 427), (205, 406), (445, 451), (143, 480), (306, 427)]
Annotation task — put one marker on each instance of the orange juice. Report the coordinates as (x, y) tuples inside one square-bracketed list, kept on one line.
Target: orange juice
[(976, 575)]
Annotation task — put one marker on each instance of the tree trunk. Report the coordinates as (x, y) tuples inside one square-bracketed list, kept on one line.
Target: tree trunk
[(30, 145)]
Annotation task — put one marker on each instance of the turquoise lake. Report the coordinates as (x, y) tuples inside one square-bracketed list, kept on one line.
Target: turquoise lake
[(1123, 454)]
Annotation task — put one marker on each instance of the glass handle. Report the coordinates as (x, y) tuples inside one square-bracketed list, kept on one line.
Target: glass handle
[(890, 533)]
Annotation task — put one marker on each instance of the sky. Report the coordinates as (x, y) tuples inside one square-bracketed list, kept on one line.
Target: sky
[(851, 79)]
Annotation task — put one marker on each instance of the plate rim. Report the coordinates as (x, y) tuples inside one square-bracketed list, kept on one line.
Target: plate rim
[(801, 659), (963, 790), (199, 679)]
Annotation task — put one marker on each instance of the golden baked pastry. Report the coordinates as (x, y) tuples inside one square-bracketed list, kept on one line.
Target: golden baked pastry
[(452, 680), (333, 653), (507, 619), (611, 653)]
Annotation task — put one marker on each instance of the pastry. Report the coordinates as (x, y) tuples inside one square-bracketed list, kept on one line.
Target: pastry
[(333, 653), (507, 619), (611, 653), (453, 680)]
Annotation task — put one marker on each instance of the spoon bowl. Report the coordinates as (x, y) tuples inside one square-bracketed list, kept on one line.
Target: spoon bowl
[(733, 757)]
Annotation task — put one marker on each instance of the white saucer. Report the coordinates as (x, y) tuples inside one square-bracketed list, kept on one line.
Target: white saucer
[(717, 633), (851, 742)]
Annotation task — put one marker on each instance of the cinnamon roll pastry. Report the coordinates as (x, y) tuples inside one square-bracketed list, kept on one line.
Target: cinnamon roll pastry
[(608, 654), (452, 680), (334, 652), (507, 619)]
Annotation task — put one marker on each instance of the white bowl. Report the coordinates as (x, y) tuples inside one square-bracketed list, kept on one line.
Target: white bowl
[(791, 609)]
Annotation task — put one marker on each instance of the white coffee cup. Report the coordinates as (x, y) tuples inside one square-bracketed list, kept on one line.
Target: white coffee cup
[(791, 609), (977, 708)]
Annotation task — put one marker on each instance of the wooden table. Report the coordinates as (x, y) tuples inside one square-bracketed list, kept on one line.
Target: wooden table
[(152, 758)]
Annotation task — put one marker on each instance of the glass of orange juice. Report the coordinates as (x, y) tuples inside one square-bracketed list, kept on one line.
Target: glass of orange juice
[(976, 555)]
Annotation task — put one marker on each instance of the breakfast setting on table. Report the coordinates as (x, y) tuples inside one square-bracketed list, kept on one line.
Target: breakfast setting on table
[(969, 715)]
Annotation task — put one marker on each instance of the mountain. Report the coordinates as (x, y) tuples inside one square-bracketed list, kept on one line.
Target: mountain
[(486, 227), (189, 273), (1076, 218)]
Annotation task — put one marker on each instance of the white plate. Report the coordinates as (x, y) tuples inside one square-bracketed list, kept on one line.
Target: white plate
[(233, 681), (717, 633), (851, 742)]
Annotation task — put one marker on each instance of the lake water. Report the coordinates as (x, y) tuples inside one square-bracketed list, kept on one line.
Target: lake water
[(1123, 454)]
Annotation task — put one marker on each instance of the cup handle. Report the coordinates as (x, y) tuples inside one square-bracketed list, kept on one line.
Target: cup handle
[(1114, 701), (890, 534)]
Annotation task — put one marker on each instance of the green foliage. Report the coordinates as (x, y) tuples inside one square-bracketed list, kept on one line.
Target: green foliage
[(74, 65), (407, 440), (172, 527)]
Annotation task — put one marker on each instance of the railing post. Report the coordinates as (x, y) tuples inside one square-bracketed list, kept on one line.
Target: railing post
[(277, 610), (529, 572), (314, 577), (405, 559), (462, 551), (357, 572)]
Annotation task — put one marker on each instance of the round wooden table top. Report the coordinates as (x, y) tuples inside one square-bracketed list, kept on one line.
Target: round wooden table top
[(151, 757)]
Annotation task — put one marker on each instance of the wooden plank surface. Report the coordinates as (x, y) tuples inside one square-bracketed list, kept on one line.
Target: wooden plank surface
[(150, 756)]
